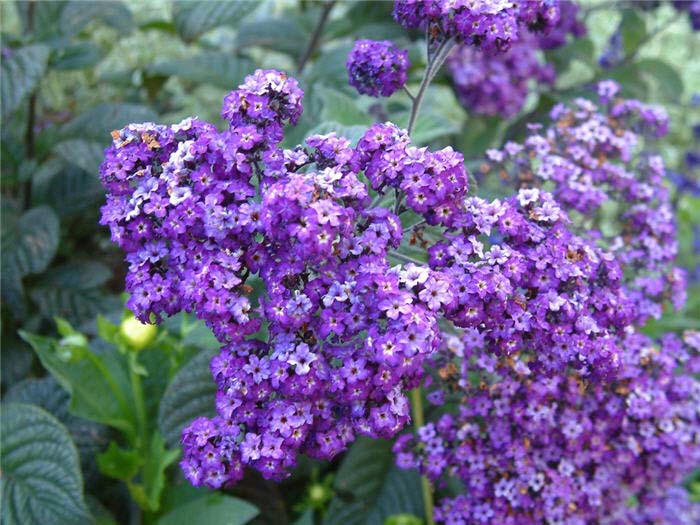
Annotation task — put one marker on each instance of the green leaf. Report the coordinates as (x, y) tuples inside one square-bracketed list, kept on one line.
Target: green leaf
[(189, 395), (148, 493), (31, 244), (97, 383), (84, 154), (76, 55), (68, 189), (41, 475), (98, 122), (119, 463), (633, 30), (666, 80), (193, 19), (79, 13), (78, 275), (210, 67), (46, 393), (21, 72), (212, 509), (340, 108), (371, 488), (440, 115), (285, 35)]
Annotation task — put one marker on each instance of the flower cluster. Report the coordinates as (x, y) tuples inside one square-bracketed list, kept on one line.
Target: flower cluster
[(525, 283), (377, 68), (497, 83), (485, 24), (569, 23), (347, 335), (588, 158), (435, 183), (559, 450), (180, 203), (327, 351)]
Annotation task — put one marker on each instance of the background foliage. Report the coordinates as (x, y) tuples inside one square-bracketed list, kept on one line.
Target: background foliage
[(103, 418)]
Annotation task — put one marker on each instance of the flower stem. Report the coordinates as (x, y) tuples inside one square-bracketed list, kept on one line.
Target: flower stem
[(316, 36), (431, 70), (426, 489)]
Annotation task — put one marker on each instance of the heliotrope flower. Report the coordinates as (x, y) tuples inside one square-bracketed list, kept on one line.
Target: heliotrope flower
[(377, 68)]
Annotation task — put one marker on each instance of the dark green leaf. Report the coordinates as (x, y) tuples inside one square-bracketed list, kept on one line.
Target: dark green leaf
[(285, 35), (194, 18), (370, 487), (118, 463), (68, 189), (212, 67), (46, 393), (31, 245), (189, 395), (41, 475), (76, 56), (97, 383), (21, 72), (85, 154), (212, 509), (633, 30), (79, 13), (77, 275), (148, 493), (667, 81), (340, 108)]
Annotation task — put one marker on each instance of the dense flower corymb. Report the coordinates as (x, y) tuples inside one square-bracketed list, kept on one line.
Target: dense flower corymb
[(205, 215), (590, 158), (485, 24), (496, 83), (559, 450), (377, 68)]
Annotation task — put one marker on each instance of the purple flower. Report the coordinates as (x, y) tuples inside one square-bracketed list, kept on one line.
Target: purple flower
[(377, 67)]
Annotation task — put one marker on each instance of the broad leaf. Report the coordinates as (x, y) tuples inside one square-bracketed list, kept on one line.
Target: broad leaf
[(76, 55), (340, 108), (212, 509), (285, 35), (211, 67), (21, 71), (148, 492), (31, 244), (84, 154), (370, 487), (96, 381), (68, 189), (633, 30), (46, 393), (194, 18), (79, 13), (41, 475), (189, 395)]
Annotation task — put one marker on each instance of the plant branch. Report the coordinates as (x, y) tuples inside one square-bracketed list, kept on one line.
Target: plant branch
[(418, 422), (316, 35), (431, 70)]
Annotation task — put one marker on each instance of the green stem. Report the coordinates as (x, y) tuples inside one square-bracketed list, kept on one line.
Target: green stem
[(137, 391), (418, 421), (316, 36), (431, 70)]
